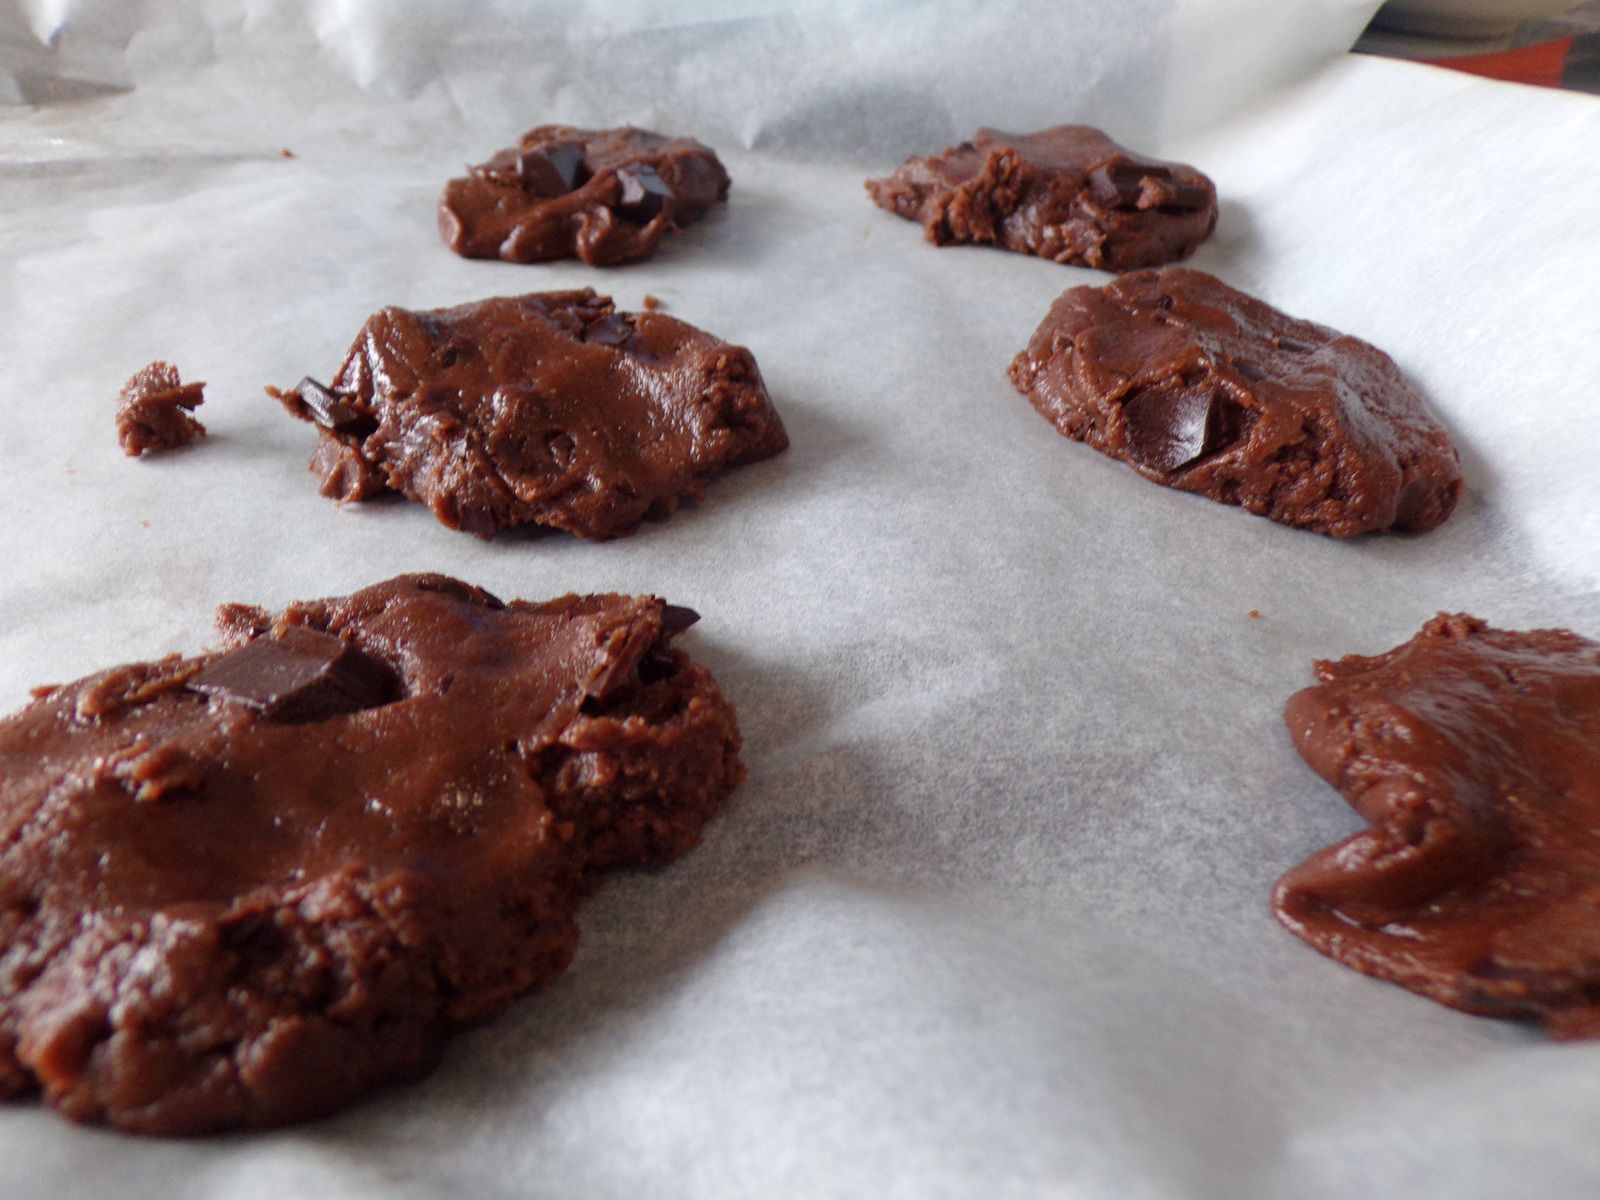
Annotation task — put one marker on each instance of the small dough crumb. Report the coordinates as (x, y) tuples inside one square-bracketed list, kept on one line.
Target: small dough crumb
[(154, 411)]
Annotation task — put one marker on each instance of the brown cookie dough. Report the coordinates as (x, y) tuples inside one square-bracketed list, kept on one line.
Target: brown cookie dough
[(244, 888), (1201, 387), (1069, 194), (548, 409), (1475, 754), (603, 195), (154, 411)]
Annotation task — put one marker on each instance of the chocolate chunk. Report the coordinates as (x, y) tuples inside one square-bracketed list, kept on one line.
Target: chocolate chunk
[(640, 661), (1069, 194), (1335, 441), (1122, 183), (211, 922), (153, 411), (302, 675), (327, 408), (1475, 755), (1179, 195), (553, 169), (609, 330), (644, 195), (548, 409), (1170, 428), (591, 194), (675, 618)]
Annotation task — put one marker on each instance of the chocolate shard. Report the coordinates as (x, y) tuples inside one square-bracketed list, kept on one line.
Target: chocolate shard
[(328, 408), (675, 618), (619, 670), (1179, 195), (551, 170), (301, 676), (1121, 184), (644, 195), (609, 330), (1168, 429)]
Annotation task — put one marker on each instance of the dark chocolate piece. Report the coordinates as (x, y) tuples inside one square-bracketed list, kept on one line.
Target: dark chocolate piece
[(675, 618), (553, 169), (1172, 428), (644, 195), (322, 405), (301, 675), (153, 411), (1201, 387), (1069, 194), (610, 330), (603, 196), (1475, 754), (547, 409), (209, 919)]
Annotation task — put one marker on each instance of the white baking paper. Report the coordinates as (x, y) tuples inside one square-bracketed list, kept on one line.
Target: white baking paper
[(990, 917)]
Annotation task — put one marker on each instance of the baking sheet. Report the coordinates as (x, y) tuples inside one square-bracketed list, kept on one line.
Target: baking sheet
[(990, 917)]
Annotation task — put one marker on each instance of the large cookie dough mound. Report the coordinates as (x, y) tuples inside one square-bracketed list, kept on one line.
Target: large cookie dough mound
[(1198, 386), (602, 195), (1068, 193), (1475, 754), (242, 889), (546, 409)]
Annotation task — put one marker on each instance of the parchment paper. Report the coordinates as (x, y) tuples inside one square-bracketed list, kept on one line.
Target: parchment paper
[(990, 918)]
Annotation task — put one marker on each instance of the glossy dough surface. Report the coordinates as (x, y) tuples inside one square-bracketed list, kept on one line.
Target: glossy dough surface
[(1475, 754)]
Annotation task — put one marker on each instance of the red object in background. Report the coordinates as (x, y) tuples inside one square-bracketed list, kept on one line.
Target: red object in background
[(1541, 65)]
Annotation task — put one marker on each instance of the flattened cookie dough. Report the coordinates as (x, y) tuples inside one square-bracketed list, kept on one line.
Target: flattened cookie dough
[(156, 411), (547, 409), (1068, 193), (602, 195), (1475, 754), (244, 888), (1198, 386)]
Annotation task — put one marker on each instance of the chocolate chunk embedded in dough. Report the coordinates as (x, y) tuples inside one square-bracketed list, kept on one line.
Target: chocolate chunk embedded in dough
[(1201, 387), (1475, 754), (546, 409), (319, 403), (1069, 194), (300, 675), (155, 411), (210, 918), (552, 169), (604, 196)]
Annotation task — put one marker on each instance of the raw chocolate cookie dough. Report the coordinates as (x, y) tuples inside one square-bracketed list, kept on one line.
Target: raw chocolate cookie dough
[(1475, 754), (244, 888), (605, 196), (154, 411), (548, 409), (1201, 387), (1069, 193)]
